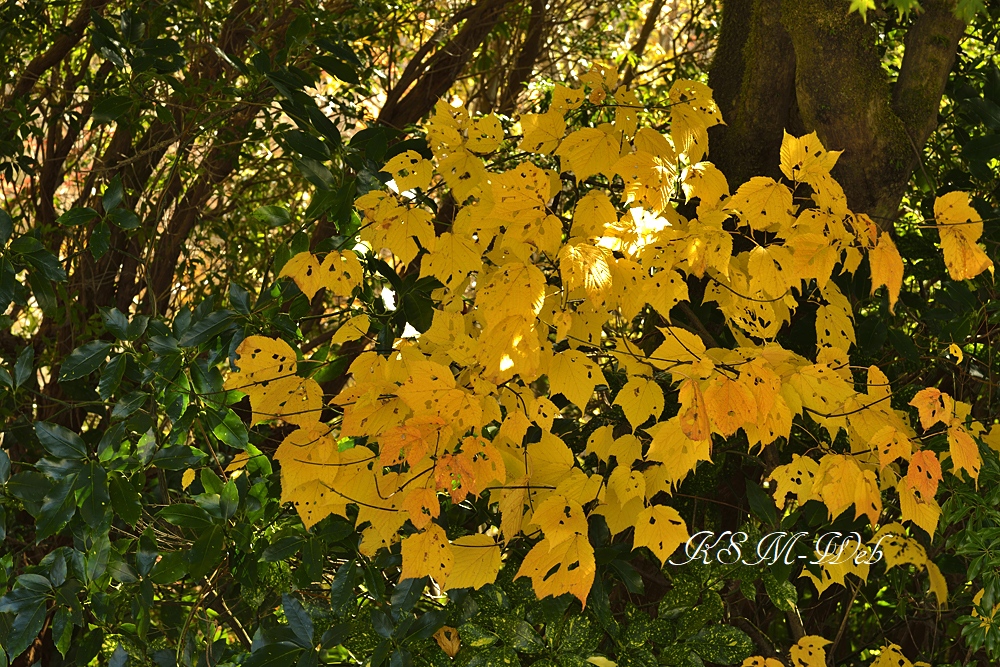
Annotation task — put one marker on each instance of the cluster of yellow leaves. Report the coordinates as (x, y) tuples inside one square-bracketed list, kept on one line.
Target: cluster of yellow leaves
[(539, 302), (810, 651)]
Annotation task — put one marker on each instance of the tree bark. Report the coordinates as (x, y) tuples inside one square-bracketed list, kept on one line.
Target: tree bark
[(809, 65), (431, 78)]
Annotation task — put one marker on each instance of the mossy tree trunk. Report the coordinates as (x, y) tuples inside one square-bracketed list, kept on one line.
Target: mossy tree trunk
[(809, 65)]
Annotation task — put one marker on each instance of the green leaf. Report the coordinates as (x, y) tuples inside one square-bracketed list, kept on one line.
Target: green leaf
[(6, 378), (187, 516), (207, 550), (125, 500), (57, 509), (170, 568), (84, 360), (97, 498), (229, 499), (298, 620), (124, 218), (207, 328), (982, 149), (113, 194), (115, 322), (284, 548), (24, 366), (76, 216), (6, 227), (342, 588), (337, 68), (274, 655), (24, 629), (100, 240), (96, 561), (60, 441), (723, 644), (228, 428), (111, 377), (274, 216), (4, 467), (147, 553), (761, 504), (111, 108), (316, 173), (131, 402)]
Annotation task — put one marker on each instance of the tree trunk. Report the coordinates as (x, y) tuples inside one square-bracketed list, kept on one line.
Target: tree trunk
[(809, 65)]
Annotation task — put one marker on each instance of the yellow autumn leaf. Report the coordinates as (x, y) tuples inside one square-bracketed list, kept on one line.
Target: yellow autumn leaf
[(427, 554), (485, 134), (887, 268), (590, 151), (805, 159), (542, 131), (640, 399), (410, 170), (661, 529), (891, 656), (960, 227), (560, 519), (964, 451), (763, 204), (353, 329), (187, 478), (304, 269), (809, 651), (955, 351), (476, 562), (566, 567), (574, 375)]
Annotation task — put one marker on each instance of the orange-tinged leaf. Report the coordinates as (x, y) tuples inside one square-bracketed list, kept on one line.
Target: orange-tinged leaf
[(924, 473), (887, 268), (693, 415), (809, 651), (427, 554), (730, 405), (566, 567), (933, 406), (477, 562), (661, 529), (447, 638), (923, 511), (640, 399), (422, 505)]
